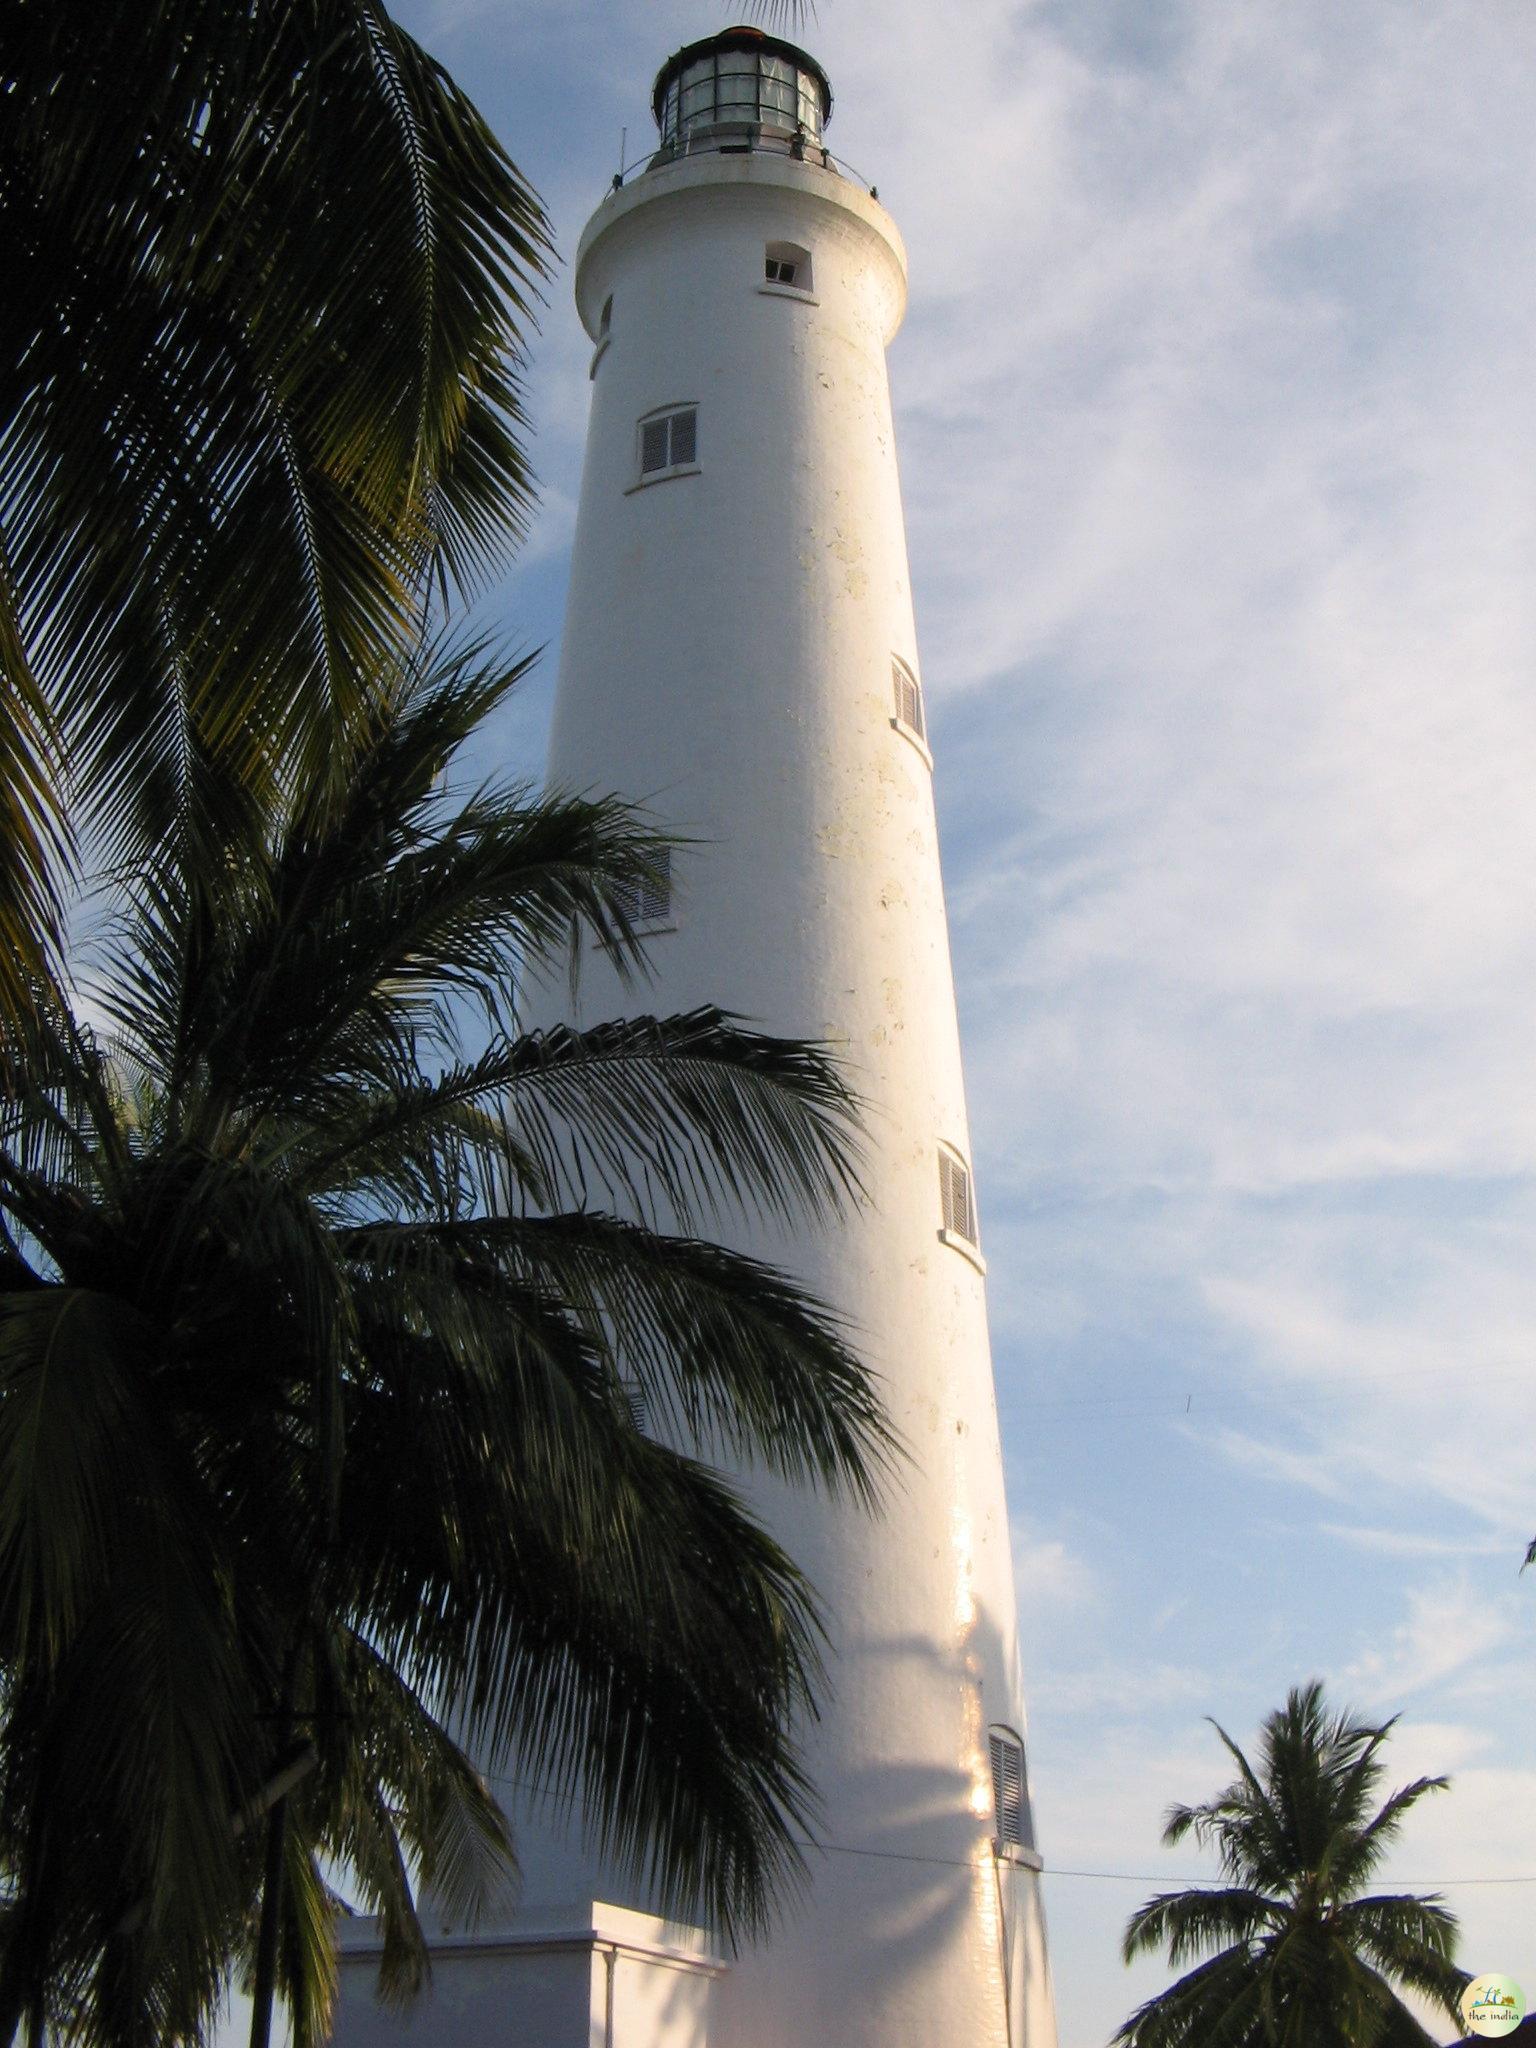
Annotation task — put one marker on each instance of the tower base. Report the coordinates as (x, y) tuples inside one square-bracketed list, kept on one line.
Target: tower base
[(598, 1976)]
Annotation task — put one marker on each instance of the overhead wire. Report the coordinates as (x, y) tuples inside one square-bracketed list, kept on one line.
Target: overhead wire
[(563, 1799)]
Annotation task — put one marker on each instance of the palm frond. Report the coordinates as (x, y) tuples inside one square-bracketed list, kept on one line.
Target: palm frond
[(1358, 1851), (1188, 1923), (609, 1653), (708, 1113), (307, 1969), (1410, 1938), (259, 374), (1218, 2004), (723, 1350), (454, 1831)]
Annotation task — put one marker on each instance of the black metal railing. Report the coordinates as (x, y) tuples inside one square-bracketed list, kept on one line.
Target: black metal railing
[(745, 138)]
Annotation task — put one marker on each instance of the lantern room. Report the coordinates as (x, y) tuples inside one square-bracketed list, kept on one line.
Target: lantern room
[(742, 89)]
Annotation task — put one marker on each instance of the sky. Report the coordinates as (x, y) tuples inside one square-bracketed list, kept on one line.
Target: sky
[(1216, 423)]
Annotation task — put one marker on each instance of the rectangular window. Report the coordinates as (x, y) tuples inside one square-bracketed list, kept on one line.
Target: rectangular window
[(909, 698), (955, 1197), (670, 441), (650, 902), (1008, 1790), (787, 263)]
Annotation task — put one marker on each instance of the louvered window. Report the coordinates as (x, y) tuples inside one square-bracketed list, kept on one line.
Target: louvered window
[(1008, 1809), (669, 441), (909, 698), (650, 902), (955, 1197)]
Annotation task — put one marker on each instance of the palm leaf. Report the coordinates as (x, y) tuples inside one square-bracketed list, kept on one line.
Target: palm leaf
[(259, 374), (723, 1350), (1188, 1923)]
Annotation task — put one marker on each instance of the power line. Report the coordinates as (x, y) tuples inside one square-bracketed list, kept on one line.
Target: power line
[(1135, 1876), (1051, 1870), (1220, 1883)]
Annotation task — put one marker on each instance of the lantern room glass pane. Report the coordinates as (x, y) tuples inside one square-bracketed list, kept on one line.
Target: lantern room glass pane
[(736, 87), (779, 92)]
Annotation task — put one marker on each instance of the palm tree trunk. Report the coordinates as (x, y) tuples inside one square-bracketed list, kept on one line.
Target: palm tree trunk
[(265, 1983)]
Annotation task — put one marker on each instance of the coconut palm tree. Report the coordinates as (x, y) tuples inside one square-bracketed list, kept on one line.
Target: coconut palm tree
[(266, 272), (1297, 1957), (358, 1386)]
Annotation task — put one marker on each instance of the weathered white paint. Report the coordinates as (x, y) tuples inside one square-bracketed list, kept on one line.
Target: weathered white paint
[(599, 1976), (728, 661)]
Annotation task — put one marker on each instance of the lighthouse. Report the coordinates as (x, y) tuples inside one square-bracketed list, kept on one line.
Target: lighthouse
[(740, 657)]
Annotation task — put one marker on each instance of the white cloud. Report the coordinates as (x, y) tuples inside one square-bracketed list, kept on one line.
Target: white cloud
[(1046, 1575), (1453, 1630)]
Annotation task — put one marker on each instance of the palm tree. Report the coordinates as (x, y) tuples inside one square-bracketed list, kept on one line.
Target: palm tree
[(357, 1390), (266, 272), (1301, 1959)]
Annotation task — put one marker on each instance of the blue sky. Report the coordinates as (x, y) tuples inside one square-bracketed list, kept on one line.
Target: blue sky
[(1217, 427)]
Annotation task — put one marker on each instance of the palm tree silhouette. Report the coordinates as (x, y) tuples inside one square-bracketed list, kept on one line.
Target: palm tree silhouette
[(268, 278), (360, 1388), (1301, 1960)]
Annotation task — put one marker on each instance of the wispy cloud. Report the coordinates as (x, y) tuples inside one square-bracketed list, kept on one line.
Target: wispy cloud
[(1406, 1543), (1047, 1575), (1452, 1630)]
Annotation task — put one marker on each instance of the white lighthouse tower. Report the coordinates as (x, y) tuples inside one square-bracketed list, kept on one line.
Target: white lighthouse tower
[(740, 655)]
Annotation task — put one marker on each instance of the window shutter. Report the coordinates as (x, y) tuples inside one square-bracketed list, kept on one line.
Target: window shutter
[(656, 896), (909, 699), (653, 446), (649, 902), (685, 436), (955, 1198), (1008, 1790)]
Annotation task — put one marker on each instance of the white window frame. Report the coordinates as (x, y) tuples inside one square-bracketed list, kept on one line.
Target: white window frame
[(667, 414), (952, 1161), (802, 283), (915, 735), (1012, 1821)]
